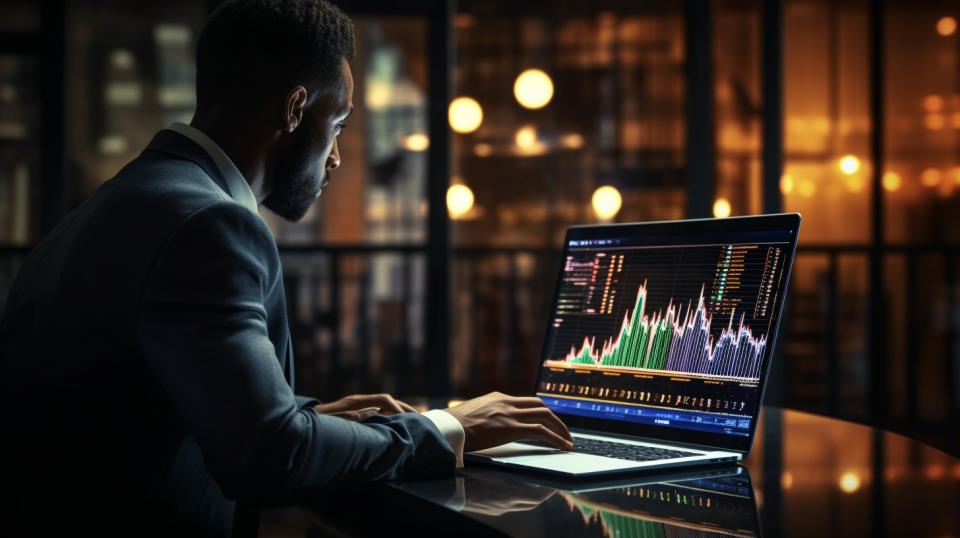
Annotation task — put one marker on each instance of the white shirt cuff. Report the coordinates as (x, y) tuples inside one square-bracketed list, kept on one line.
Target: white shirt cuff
[(451, 429)]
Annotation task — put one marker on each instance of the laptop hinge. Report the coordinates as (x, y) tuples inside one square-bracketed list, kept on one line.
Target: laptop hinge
[(654, 440)]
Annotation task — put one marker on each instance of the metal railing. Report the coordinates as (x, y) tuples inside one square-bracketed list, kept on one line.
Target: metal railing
[(356, 317)]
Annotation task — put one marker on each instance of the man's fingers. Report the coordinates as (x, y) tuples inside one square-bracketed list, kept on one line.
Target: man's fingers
[(545, 434), (526, 401), (547, 418), (407, 408)]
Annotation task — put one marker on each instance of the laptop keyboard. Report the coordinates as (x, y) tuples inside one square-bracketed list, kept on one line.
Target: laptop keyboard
[(621, 451)]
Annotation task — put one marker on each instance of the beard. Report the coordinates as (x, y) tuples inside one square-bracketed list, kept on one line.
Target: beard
[(296, 186)]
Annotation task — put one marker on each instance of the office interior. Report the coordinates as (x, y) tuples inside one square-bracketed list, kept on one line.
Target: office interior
[(484, 128)]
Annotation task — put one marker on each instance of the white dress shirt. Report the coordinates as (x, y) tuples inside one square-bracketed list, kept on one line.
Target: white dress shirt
[(240, 191)]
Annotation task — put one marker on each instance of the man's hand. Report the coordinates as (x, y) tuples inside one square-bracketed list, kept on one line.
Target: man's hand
[(495, 419), (362, 406)]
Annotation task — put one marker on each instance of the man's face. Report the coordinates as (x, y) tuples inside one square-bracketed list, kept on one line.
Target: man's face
[(304, 170)]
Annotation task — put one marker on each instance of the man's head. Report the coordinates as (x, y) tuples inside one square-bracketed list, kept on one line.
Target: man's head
[(287, 62)]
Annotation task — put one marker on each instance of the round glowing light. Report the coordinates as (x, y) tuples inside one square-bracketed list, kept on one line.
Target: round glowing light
[(786, 184), (526, 137), (849, 165), (854, 183), (935, 471), (933, 103), (946, 26), (806, 188), (721, 208), (934, 122), (416, 142), (955, 174), (931, 177), (459, 200), (465, 114), (786, 480), (849, 482), (533, 88), (572, 141), (606, 202), (483, 150), (892, 181)]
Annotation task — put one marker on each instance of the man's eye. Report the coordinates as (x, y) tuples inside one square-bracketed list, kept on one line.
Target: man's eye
[(341, 126)]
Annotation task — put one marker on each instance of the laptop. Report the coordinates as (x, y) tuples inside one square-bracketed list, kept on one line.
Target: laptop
[(659, 343)]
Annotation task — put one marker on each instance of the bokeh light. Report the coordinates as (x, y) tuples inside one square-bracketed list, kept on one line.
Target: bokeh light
[(934, 122), (526, 136), (606, 202), (933, 103), (892, 181), (533, 88), (931, 177), (786, 184), (465, 115), (459, 200), (849, 164), (946, 26), (849, 482), (721, 208), (416, 142), (483, 149)]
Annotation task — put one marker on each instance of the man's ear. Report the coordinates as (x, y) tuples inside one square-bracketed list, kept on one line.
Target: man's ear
[(293, 106)]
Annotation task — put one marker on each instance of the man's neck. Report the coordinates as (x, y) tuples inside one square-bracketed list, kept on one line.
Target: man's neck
[(241, 140)]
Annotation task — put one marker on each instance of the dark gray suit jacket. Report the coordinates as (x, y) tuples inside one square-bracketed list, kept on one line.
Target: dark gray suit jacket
[(147, 369)]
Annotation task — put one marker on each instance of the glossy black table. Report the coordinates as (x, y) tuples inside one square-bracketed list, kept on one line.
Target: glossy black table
[(807, 476)]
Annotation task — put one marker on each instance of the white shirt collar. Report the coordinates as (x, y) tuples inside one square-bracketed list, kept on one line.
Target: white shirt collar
[(237, 186)]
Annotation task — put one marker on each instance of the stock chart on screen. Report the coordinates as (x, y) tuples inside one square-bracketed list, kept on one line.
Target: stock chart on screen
[(669, 335)]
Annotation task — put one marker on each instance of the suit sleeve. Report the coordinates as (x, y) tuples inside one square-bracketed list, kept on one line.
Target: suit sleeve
[(203, 329)]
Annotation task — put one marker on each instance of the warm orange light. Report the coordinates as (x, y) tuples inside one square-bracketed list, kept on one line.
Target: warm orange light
[(892, 181), (935, 472), (482, 149), (934, 122), (416, 142), (526, 137), (459, 200), (465, 114), (533, 88), (955, 174), (933, 103), (606, 202), (931, 177), (849, 164), (572, 141), (955, 120), (849, 482), (946, 26), (721, 208), (806, 188), (786, 184), (786, 480), (854, 183)]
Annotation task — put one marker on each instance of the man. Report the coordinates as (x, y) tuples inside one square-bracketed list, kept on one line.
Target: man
[(146, 359)]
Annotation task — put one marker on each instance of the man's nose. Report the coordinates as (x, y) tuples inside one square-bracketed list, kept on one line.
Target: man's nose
[(333, 160)]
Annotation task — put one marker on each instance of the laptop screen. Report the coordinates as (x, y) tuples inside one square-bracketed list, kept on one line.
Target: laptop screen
[(668, 326)]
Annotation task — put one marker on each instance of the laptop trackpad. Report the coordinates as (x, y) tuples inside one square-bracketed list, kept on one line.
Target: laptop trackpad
[(552, 459)]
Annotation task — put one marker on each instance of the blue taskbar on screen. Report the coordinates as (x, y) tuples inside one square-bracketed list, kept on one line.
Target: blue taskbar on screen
[(691, 420)]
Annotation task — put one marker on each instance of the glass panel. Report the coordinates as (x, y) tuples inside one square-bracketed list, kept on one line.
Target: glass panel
[(568, 117), (129, 73), (738, 108), (922, 185), (827, 127), (19, 150), (20, 16)]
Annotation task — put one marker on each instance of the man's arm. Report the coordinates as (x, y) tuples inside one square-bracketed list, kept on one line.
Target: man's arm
[(202, 326)]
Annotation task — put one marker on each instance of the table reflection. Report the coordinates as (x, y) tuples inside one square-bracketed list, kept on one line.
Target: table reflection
[(707, 502)]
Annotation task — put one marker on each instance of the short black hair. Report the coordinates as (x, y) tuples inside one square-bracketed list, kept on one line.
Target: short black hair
[(251, 49)]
